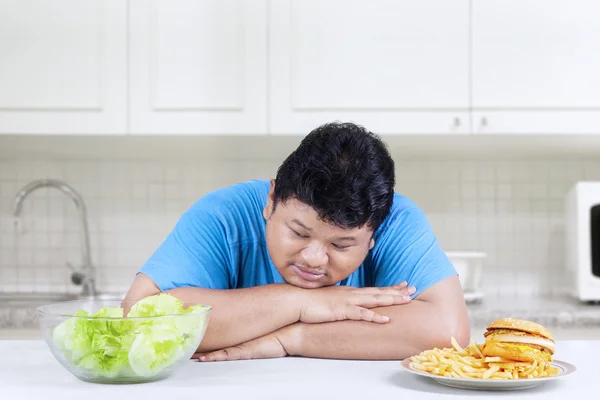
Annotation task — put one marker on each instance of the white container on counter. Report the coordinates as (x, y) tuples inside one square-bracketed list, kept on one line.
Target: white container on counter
[(468, 265)]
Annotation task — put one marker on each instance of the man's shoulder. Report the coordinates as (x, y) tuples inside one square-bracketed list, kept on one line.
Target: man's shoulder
[(232, 213), (402, 205), (405, 214), (241, 196)]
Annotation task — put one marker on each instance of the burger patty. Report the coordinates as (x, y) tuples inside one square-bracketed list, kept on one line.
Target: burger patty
[(532, 341), (510, 332)]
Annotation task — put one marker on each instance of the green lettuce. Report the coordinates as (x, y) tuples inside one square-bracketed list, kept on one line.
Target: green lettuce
[(108, 345), (161, 304)]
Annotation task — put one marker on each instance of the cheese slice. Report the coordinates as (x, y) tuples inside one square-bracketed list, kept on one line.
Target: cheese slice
[(548, 344)]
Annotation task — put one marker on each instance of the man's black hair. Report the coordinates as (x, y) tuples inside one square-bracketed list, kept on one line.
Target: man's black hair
[(344, 172)]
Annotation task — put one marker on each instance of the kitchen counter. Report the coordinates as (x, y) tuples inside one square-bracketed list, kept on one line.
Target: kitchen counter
[(28, 370), (558, 312)]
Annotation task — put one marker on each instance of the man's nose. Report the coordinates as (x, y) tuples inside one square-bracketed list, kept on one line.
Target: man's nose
[(315, 254)]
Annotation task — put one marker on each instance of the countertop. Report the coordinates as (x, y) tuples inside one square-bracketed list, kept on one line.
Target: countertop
[(28, 370), (561, 312), (555, 311)]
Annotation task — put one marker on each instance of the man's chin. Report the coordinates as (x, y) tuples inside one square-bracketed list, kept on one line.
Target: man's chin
[(303, 284)]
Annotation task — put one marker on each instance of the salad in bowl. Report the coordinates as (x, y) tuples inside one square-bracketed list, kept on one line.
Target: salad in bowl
[(123, 342)]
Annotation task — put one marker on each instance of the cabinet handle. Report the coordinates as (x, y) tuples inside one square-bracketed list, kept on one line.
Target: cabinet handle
[(456, 122), (484, 121)]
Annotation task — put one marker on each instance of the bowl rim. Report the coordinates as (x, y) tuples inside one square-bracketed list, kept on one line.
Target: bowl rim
[(42, 310)]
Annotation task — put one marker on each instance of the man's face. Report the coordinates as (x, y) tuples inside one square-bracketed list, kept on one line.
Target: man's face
[(310, 253)]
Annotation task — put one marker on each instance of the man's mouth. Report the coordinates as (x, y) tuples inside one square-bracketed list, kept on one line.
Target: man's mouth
[(307, 274)]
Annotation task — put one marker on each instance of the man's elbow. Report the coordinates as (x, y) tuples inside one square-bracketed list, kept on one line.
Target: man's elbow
[(462, 334), (442, 337)]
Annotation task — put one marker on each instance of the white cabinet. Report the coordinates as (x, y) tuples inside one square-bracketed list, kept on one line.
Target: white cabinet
[(287, 66), (198, 66), (395, 66), (536, 66), (63, 66)]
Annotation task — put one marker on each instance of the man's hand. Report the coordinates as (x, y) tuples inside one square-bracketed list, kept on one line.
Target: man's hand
[(337, 303), (272, 345)]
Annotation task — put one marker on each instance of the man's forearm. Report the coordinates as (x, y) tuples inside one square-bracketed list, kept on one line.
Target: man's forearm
[(240, 315), (413, 328)]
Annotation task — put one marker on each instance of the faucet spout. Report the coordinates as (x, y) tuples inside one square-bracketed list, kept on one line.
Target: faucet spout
[(89, 287)]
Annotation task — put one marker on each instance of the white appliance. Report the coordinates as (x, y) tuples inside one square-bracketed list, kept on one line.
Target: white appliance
[(582, 240), (468, 265)]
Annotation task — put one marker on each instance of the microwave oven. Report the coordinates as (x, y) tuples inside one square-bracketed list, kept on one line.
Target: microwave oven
[(582, 241)]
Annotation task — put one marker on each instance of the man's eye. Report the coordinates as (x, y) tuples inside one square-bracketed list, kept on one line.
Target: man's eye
[(340, 247), (298, 234)]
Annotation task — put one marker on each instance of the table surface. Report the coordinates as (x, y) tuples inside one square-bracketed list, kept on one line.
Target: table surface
[(28, 369)]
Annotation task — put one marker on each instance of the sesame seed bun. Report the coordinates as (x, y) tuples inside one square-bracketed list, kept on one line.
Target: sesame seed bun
[(520, 325)]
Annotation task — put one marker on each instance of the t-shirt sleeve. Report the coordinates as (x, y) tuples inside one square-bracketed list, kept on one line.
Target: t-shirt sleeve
[(408, 250), (194, 254)]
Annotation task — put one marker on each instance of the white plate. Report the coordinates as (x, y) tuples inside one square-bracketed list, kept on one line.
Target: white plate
[(493, 384)]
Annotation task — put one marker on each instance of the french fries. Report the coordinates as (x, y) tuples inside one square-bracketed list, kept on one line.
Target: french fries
[(471, 363)]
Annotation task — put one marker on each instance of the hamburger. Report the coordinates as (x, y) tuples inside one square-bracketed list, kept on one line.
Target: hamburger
[(518, 340)]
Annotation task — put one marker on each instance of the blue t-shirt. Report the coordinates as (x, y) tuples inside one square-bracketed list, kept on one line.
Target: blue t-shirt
[(219, 243)]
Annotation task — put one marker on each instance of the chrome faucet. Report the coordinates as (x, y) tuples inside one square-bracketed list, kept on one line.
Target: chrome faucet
[(86, 276)]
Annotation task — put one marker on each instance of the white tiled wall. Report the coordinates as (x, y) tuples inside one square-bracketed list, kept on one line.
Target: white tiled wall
[(510, 209)]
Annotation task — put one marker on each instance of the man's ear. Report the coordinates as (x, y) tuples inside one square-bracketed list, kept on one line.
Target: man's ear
[(371, 244), (268, 210)]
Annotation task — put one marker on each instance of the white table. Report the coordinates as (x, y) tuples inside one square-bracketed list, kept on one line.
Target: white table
[(29, 371)]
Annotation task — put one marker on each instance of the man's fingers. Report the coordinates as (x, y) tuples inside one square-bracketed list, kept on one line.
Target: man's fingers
[(401, 289), (380, 300), (404, 288), (363, 314), (396, 287), (230, 353), (405, 291)]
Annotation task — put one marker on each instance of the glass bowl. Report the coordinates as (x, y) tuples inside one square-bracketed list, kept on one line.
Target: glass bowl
[(94, 342)]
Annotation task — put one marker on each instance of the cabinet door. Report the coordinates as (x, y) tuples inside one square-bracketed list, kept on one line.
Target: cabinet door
[(63, 66), (198, 66), (536, 66), (394, 66)]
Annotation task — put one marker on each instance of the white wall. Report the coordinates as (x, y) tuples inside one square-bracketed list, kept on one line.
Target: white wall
[(510, 208)]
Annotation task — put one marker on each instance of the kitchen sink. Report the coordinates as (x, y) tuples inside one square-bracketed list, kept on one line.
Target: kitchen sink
[(38, 299)]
